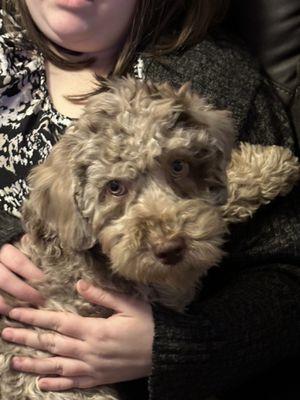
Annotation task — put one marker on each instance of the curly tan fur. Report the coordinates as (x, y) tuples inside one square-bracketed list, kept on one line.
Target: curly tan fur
[(132, 199), (256, 175)]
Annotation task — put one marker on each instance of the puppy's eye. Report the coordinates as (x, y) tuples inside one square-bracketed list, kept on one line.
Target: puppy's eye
[(116, 188), (179, 168)]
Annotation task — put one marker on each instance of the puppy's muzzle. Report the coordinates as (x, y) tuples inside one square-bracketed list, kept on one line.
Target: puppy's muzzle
[(171, 252)]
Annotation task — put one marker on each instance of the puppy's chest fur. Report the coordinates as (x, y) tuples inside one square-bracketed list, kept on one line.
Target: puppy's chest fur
[(63, 270)]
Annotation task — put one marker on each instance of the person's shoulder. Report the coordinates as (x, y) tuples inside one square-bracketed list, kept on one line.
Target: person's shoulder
[(225, 55), (220, 69), (10, 38), (17, 57), (8, 20), (217, 64)]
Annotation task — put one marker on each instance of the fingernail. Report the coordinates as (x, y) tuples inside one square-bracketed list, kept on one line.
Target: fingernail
[(15, 314), (41, 301), (83, 285), (42, 384), (7, 333), (16, 362)]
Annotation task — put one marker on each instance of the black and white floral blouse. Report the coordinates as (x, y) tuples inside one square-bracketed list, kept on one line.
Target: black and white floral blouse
[(29, 124)]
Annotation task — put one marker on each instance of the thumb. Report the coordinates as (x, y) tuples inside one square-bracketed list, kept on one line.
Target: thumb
[(108, 299)]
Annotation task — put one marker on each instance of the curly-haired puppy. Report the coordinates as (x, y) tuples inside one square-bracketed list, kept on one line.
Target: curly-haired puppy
[(129, 199)]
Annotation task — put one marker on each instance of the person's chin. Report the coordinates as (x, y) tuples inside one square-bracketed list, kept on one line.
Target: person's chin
[(76, 41), (66, 30)]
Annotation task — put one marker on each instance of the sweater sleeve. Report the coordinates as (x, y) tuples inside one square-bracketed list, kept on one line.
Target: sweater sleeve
[(240, 331), (246, 320), (267, 122)]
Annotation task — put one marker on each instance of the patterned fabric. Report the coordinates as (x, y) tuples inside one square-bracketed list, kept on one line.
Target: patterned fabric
[(29, 123)]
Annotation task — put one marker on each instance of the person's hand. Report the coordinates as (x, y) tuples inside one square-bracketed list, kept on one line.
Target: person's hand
[(15, 270), (88, 351)]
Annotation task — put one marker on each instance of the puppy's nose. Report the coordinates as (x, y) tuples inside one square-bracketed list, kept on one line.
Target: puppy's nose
[(170, 252)]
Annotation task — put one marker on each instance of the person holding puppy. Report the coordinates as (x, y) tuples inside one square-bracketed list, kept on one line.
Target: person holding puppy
[(51, 53)]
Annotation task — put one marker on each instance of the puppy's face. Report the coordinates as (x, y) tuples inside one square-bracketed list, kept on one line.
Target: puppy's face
[(148, 175)]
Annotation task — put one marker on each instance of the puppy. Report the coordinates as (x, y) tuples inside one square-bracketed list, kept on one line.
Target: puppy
[(131, 199)]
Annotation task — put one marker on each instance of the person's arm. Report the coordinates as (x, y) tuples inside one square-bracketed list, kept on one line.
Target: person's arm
[(248, 319), (267, 122), (243, 329), (15, 269)]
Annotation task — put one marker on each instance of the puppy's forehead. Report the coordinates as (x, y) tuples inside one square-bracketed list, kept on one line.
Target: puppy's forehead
[(136, 109), (131, 121), (134, 121)]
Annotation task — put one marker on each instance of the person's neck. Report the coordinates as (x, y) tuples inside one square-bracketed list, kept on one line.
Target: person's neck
[(63, 83)]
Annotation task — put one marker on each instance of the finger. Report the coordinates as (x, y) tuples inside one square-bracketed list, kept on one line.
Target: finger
[(4, 308), (69, 324), (17, 262), (13, 285), (66, 383), (52, 342), (51, 366), (115, 301)]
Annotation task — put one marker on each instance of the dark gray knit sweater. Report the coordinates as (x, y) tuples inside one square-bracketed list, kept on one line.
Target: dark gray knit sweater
[(246, 320)]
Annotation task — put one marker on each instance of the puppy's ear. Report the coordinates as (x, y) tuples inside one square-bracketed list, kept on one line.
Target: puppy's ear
[(51, 210)]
